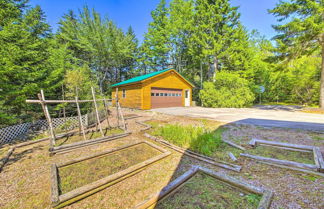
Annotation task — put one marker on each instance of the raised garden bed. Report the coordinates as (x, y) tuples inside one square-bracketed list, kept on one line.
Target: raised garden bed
[(74, 140), (203, 188), (292, 155), (81, 177), (90, 135), (201, 138)]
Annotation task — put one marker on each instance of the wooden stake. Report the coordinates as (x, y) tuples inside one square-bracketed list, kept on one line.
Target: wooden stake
[(48, 118), (117, 111), (81, 128), (107, 111), (122, 117), (97, 114), (64, 116)]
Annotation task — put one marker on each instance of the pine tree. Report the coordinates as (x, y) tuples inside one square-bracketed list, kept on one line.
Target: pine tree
[(301, 31), (156, 40), (23, 58), (215, 23)]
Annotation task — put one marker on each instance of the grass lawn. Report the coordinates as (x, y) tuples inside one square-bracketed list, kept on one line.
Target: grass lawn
[(282, 154), (203, 191), (89, 136), (204, 138), (84, 172)]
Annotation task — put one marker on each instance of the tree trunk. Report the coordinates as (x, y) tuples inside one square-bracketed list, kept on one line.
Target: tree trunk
[(213, 69), (322, 76)]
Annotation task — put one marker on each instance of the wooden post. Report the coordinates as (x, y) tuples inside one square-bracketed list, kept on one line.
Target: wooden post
[(81, 128), (48, 118), (97, 114), (117, 111), (121, 116), (64, 116), (107, 111)]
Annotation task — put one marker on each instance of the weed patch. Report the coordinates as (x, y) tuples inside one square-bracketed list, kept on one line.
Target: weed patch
[(195, 138), (85, 172)]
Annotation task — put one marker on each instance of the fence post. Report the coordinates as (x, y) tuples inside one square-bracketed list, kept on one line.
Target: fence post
[(96, 108), (48, 118), (81, 128)]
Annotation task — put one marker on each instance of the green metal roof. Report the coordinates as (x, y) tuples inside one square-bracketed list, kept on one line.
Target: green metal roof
[(140, 78)]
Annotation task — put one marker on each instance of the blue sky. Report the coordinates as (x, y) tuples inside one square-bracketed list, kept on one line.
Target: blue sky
[(137, 12)]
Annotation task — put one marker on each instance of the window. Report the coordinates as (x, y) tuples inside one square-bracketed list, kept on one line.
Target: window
[(165, 94), (152, 94), (161, 94), (157, 94), (173, 94), (180, 95), (124, 93), (169, 94)]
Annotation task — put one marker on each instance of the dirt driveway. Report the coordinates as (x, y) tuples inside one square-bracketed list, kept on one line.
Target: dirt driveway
[(254, 116)]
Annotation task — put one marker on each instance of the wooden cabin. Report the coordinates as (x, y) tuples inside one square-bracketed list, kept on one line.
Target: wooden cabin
[(165, 88)]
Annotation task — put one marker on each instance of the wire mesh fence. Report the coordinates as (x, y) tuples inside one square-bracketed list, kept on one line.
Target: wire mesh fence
[(21, 131)]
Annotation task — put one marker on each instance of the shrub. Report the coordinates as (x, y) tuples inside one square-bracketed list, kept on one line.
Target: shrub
[(229, 90)]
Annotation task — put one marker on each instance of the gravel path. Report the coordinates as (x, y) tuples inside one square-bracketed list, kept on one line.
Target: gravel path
[(253, 116)]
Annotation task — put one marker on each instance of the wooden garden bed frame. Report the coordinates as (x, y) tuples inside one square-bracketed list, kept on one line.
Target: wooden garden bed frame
[(61, 200), (82, 130), (175, 185), (195, 155), (318, 158)]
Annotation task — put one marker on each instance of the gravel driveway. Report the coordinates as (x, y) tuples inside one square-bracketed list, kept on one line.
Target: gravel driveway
[(254, 116)]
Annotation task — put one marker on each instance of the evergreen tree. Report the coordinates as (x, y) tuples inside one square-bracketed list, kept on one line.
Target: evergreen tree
[(23, 57), (156, 40), (302, 31), (215, 24)]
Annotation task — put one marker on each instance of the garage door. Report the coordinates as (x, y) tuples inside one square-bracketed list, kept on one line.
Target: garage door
[(163, 97)]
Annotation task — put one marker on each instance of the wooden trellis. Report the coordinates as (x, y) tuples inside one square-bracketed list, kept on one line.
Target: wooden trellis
[(120, 120)]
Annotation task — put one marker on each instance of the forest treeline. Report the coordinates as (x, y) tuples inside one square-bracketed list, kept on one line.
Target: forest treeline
[(204, 40)]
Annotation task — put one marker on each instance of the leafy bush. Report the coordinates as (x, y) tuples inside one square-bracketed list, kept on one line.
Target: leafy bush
[(195, 138), (229, 90)]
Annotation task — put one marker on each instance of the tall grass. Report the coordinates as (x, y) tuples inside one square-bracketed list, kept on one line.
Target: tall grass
[(196, 138)]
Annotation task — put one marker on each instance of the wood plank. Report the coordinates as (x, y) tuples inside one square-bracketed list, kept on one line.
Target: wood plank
[(318, 157), (280, 162), (287, 148), (66, 150), (233, 144), (293, 168), (274, 143), (88, 142), (232, 156), (54, 185), (167, 189), (96, 110), (106, 180), (232, 181), (188, 151), (266, 200), (48, 118), (59, 165), (252, 143), (81, 128), (5, 159), (147, 127), (61, 101), (198, 156)]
